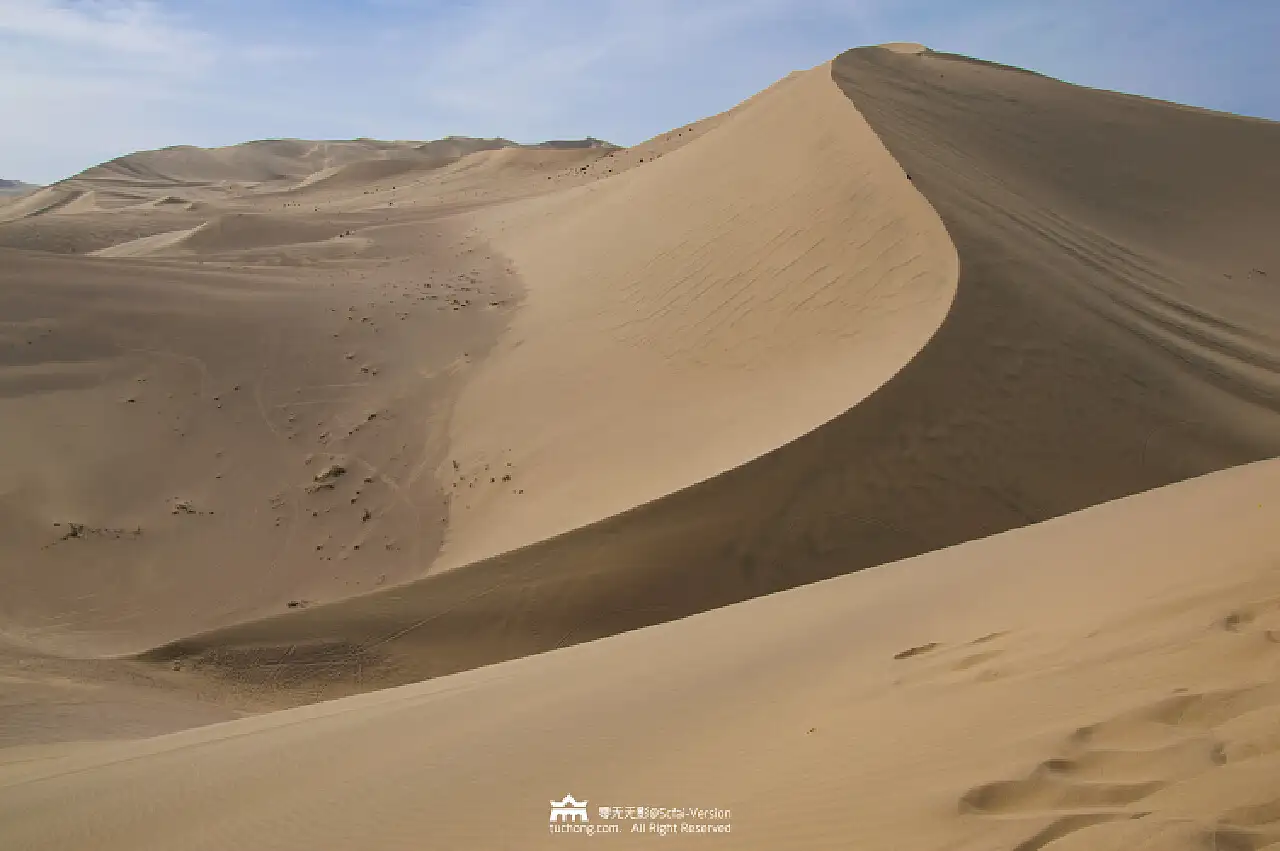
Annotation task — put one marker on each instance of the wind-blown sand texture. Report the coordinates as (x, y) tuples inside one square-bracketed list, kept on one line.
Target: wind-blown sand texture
[(324, 418)]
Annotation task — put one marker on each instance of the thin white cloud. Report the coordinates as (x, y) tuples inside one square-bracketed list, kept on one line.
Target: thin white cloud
[(124, 29), (83, 81)]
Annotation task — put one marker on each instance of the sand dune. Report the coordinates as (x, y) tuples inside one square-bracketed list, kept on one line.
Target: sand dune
[(46, 200), (484, 163), (509, 163), (1102, 681), (166, 201), (424, 157), (360, 173), (165, 423), (148, 245), (693, 315), (323, 418), (1082, 359), (94, 230), (251, 162), (254, 230), (184, 174)]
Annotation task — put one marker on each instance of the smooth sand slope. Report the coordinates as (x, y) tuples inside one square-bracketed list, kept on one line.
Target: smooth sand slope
[(693, 315), (1106, 680), (1113, 329)]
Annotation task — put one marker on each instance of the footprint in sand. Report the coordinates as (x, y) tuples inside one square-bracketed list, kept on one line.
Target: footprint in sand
[(1104, 776)]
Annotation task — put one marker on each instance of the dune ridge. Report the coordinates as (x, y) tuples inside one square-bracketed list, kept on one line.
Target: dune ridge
[(1090, 352), (693, 315)]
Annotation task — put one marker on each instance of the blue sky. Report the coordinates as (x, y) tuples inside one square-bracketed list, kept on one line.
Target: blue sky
[(82, 81)]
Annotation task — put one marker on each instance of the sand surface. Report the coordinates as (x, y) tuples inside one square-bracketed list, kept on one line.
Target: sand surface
[(1105, 681), (515, 452)]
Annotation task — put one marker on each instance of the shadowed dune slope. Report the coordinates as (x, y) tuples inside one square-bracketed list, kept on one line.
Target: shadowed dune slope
[(1114, 330), (1101, 681)]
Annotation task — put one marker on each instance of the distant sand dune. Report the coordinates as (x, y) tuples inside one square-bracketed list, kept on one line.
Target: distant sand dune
[(419, 158), (358, 173), (166, 201), (238, 231), (235, 232), (147, 245), (253, 162), (44, 200), (84, 202)]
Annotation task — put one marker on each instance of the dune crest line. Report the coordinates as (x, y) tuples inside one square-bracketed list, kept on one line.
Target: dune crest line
[(1088, 354)]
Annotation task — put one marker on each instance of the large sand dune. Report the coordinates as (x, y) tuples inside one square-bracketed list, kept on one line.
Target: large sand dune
[(723, 300), (1081, 360), (288, 421)]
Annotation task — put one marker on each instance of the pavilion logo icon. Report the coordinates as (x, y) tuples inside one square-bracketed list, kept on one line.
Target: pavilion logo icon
[(568, 810)]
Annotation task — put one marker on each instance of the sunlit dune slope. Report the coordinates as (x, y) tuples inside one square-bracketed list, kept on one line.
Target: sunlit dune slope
[(691, 314)]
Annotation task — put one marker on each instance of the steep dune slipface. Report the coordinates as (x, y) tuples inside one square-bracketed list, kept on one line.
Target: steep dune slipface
[(692, 314), (1115, 327), (1105, 680)]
